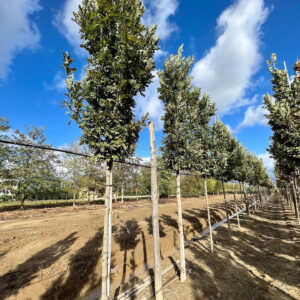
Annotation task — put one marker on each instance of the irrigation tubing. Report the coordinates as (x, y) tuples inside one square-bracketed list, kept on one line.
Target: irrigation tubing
[(15, 143)]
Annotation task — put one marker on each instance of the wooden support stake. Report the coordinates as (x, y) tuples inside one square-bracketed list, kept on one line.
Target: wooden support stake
[(180, 225), (155, 222), (106, 248)]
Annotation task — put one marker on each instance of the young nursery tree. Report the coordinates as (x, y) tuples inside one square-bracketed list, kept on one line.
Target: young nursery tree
[(200, 143), (284, 119), (175, 93), (221, 151), (120, 65)]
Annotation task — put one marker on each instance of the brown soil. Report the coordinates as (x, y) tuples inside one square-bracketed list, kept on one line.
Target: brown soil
[(260, 260), (55, 253)]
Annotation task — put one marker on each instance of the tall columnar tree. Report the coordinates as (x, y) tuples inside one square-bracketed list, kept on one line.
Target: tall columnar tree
[(240, 168), (284, 118), (200, 143), (119, 66), (175, 92), (221, 151), (234, 163)]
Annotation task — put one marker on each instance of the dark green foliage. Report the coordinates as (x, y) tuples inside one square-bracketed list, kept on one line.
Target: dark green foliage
[(166, 180), (221, 150), (120, 64), (284, 118)]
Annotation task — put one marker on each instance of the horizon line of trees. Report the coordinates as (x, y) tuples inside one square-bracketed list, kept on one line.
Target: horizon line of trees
[(35, 174)]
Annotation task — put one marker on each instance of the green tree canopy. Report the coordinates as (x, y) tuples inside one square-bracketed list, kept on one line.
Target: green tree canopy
[(119, 66)]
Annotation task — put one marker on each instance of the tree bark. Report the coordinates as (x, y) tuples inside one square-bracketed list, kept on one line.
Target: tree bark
[(208, 218), (297, 192), (236, 207), (287, 196), (22, 201), (122, 194), (106, 249), (245, 198), (259, 194), (226, 205), (295, 203), (181, 236), (155, 216)]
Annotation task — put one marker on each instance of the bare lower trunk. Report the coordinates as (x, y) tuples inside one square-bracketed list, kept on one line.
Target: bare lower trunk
[(208, 218), (181, 236), (259, 194), (245, 198), (106, 249), (155, 216), (297, 192), (226, 205), (236, 207), (287, 196), (22, 201), (122, 195), (295, 203)]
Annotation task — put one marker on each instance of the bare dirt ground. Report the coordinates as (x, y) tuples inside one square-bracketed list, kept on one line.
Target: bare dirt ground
[(55, 253), (258, 261)]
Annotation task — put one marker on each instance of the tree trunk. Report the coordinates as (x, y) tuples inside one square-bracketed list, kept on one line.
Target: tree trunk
[(297, 192), (122, 194), (181, 236), (226, 205), (22, 201), (89, 197), (106, 249), (155, 216), (295, 203), (245, 198), (236, 207), (74, 198), (287, 196), (259, 194), (208, 218), (241, 193)]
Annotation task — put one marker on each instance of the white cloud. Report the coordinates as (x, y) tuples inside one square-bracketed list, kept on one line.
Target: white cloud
[(17, 31), (151, 104), (58, 83), (145, 159), (253, 116), (159, 11), (67, 27), (225, 72), (268, 163), (160, 54)]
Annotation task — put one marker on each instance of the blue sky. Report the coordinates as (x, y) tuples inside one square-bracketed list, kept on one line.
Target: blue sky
[(230, 40)]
